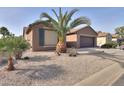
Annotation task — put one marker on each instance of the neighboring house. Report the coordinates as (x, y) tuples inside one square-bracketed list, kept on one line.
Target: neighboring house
[(82, 38), (39, 38), (114, 37), (103, 38)]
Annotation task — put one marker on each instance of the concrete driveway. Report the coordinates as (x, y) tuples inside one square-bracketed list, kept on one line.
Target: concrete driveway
[(115, 55), (89, 50)]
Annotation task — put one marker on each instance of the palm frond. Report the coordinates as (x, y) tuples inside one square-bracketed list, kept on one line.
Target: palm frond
[(52, 21), (79, 21), (60, 14), (70, 14), (55, 14), (63, 24), (45, 15)]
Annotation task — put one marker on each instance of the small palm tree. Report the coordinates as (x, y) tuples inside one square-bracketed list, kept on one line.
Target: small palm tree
[(62, 24), (11, 45)]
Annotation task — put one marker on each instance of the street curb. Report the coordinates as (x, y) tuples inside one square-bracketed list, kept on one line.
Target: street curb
[(114, 80), (105, 77)]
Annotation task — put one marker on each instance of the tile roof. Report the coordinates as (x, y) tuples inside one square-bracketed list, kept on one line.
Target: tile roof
[(78, 29)]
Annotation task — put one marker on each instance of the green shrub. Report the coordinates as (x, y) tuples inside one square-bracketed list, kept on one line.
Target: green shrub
[(122, 43), (109, 45), (106, 46), (13, 45)]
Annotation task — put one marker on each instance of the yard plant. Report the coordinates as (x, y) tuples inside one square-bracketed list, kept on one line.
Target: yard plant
[(12, 46), (62, 24), (110, 45)]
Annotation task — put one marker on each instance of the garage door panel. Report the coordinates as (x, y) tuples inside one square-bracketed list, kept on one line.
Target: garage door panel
[(86, 41)]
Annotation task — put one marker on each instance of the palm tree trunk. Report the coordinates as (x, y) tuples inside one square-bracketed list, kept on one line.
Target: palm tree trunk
[(10, 64), (61, 45)]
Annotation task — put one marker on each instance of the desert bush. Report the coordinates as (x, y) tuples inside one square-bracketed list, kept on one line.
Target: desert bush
[(73, 52), (22, 46), (122, 43), (109, 45)]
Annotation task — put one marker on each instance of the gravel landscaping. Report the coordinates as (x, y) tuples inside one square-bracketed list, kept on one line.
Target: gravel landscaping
[(45, 68)]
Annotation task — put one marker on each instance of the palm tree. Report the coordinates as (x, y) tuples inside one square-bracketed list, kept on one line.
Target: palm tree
[(62, 24), (6, 46), (4, 31), (120, 31), (11, 46)]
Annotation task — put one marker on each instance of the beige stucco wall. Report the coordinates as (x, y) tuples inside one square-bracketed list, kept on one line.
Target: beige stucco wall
[(50, 38), (101, 41), (71, 38), (35, 39), (28, 37), (114, 39)]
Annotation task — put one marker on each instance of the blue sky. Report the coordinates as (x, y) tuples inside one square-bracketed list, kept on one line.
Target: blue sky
[(102, 19)]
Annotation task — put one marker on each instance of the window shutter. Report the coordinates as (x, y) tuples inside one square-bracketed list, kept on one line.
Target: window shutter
[(41, 37)]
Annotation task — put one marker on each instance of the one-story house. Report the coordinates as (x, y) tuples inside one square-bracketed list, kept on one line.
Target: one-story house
[(82, 38), (41, 39), (103, 38)]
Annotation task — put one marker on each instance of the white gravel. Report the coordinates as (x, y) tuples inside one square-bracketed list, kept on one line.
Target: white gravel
[(45, 68)]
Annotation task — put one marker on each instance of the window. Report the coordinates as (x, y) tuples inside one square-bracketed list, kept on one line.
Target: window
[(41, 37)]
